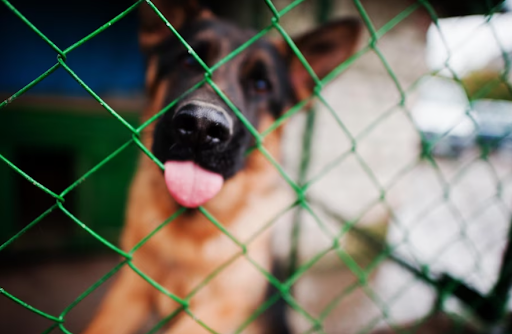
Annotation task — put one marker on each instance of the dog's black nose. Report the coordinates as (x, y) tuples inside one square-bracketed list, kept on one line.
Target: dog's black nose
[(200, 126)]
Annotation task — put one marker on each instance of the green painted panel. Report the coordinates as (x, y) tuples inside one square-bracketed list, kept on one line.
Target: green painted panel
[(59, 148)]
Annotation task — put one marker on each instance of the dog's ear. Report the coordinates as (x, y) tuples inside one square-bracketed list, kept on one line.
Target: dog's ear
[(324, 48), (152, 29)]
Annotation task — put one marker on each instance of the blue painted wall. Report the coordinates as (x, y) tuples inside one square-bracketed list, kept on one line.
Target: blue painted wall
[(110, 63)]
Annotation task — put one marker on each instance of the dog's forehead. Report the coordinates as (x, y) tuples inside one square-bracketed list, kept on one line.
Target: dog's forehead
[(219, 29), (230, 35)]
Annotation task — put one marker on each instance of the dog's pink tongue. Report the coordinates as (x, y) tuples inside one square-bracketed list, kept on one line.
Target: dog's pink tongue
[(191, 185)]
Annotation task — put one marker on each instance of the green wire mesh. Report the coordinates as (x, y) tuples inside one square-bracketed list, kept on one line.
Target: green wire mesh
[(490, 308)]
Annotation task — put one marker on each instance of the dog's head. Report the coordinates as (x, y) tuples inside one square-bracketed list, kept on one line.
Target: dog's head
[(200, 139)]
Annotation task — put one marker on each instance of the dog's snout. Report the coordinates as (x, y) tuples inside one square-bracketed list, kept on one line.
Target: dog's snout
[(201, 126)]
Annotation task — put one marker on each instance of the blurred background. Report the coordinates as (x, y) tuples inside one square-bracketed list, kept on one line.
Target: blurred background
[(429, 107)]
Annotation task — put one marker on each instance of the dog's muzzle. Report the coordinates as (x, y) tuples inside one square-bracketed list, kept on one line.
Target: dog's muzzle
[(201, 126), (198, 127)]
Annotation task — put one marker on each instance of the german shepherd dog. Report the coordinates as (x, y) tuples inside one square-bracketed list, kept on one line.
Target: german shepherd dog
[(203, 145)]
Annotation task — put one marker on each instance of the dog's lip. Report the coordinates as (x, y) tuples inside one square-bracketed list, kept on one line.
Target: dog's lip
[(179, 153), (196, 161)]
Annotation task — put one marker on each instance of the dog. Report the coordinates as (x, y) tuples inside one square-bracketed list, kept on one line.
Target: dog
[(203, 146)]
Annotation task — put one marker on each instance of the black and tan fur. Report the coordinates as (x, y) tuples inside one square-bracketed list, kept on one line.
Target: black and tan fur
[(187, 250)]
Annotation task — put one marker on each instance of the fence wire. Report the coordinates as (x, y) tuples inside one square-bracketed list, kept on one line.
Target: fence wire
[(489, 307)]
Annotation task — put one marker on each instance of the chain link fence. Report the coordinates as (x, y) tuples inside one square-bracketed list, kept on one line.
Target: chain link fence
[(487, 307)]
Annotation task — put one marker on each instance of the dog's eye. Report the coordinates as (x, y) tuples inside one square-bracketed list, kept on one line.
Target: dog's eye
[(189, 61), (261, 86)]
